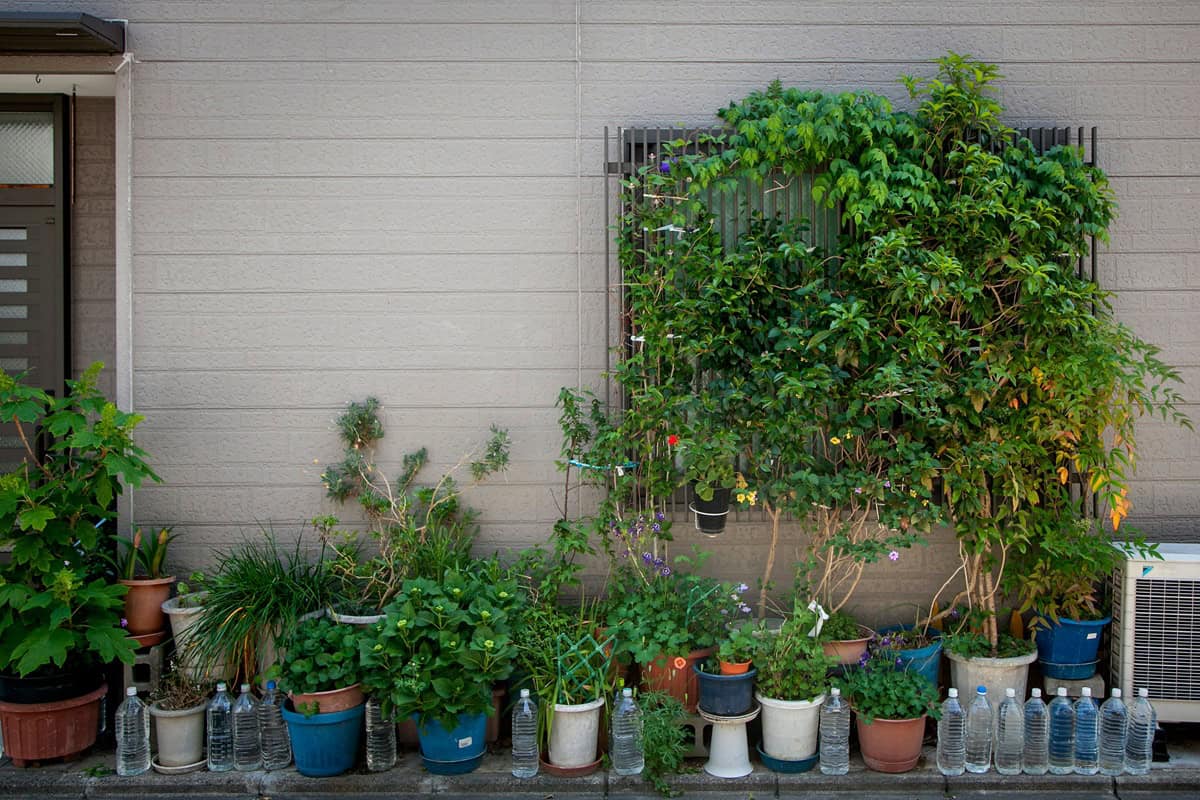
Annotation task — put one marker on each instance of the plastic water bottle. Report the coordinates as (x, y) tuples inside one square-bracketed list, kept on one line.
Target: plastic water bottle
[(952, 736), (1139, 744), (835, 734), (1087, 734), (524, 737), (627, 758), (1114, 727), (1062, 734), (273, 732), (220, 731), (133, 735), (1010, 734), (381, 738), (979, 732), (1035, 757), (247, 752)]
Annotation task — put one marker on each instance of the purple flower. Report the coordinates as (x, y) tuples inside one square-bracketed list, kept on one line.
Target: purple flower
[(124, 622), (742, 587), (894, 555), (858, 490), (954, 614), (887, 484), (648, 558), (899, 661), (658, 562), (656, 528), (626, 553), (665, 572), (863, 659), (742, 607), (660, 516), (885, 641)]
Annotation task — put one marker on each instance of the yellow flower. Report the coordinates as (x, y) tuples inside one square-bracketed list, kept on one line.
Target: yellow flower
[(741, 497), (378, 648), (849, 435), (400, 623), (835, 440), (752, 497), (912, 492), (489, 644), (924, 502)]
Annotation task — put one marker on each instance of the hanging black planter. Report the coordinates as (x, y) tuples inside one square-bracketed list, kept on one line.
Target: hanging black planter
[(711, 514)]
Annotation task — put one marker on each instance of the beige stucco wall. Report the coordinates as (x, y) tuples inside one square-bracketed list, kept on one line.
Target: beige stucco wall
[(405, 199)]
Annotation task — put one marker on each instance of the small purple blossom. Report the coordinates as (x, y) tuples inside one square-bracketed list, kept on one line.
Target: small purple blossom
[(858, 490), (742, 588), (656, 528), (894, 555), (899, 661), (648, 558), (658, 562), (742, 607), (665, 572), (885, 641), (660, 516), (887, 484), (954, 614), (863, 659), (124, 622), (625, 554)]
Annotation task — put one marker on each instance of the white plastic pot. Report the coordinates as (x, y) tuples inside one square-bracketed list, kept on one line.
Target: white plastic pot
[(180, 735), (789, 727), (997, 674), (182, 618), (574, 733)]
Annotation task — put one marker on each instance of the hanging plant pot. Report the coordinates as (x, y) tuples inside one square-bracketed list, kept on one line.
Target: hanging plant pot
[(725, 695), (324, 744), (711, 514), (143, 604), (456, 751), (1068, 650), (891, 745), (675, 676), (40, 731), (574, 734)]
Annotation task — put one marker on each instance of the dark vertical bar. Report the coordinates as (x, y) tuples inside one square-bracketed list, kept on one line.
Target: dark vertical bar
[(607, 275)]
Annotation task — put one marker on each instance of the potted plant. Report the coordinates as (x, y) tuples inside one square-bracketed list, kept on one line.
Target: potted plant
[(182, 611), (709, 459), (843, 638), (320, 671), (791, 687), (664, 620), (1057, 580), (140, 566), (574, 709), (178, 706), (436, 655), (60, 608), (976, 661), (737, 650), (324, 744), (890, 709), (915, 648)]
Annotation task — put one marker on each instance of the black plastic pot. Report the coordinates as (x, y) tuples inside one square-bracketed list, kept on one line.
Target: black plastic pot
[(51, 688), (711, 514), (726, 695)]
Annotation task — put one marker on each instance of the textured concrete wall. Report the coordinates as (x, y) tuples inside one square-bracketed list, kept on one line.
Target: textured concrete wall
[(93, 263), (405, 199)]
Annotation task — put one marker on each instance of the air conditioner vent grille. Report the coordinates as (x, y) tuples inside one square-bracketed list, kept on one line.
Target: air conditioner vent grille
[(1167, 638)]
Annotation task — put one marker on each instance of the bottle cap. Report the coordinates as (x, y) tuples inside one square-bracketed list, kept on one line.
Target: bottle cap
[(1086, 691), (1035, 692), (981, 690), (1010, 692), (1062, 691), (270, 686), (952, 692), (131, 691), (221, 686), (1116, 693), (1143, 692), (627, 692), (836, 692), (524, 693), (245, 688)]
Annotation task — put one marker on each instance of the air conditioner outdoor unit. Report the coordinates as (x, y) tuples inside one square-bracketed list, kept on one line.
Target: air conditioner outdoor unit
[(1156, 631)]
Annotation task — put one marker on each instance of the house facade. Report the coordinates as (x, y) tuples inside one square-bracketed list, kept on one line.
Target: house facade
[(267, 210)]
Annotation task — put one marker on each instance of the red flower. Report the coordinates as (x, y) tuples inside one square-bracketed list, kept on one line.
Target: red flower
[(672, 440)]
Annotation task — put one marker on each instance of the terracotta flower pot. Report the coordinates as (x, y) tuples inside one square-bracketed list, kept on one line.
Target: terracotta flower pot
[(848, 651), (40, 731), (143, 604), (735, 667), (891, 745), (330, 702), (675, 676)]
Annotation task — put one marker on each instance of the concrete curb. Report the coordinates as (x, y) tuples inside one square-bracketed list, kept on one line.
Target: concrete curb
[(493, 779)]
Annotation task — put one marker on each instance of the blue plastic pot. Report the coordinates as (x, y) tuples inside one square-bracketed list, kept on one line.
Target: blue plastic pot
[(1068, 650), (726, 695), (325, 744), (926, 661), (465, 743)]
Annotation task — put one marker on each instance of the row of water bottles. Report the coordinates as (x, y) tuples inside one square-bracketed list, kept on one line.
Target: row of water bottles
[(243, 734), (625, 744), (1034, 738)]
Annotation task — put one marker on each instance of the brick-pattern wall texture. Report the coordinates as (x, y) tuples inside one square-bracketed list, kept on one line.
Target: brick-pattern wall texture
[(405, 199), (93, 258)]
